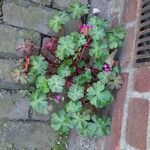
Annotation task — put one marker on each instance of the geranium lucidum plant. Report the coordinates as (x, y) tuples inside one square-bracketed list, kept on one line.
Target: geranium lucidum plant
[(83, 73)]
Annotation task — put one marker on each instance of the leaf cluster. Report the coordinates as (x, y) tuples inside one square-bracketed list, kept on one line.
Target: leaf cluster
[(80, 62)]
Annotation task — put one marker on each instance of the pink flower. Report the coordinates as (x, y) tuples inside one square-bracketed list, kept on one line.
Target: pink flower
[(58, 98), (84, 29), (106, 67)]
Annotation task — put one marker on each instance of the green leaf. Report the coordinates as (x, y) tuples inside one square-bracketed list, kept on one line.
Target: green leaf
[(56, 83), (58, 20), (39, 103), (38, 65), (99, 50), (115, 37), (98, 64), (81, 64), (79, 39), (61, 121), (116, 69), (98, 95), (98, 22), (77, 10), (65, 47), (104, 77), (97, 33), (64, 71), (99, 127), (73, 107), (75, 92), (80, 120), (115, 81), (42, 84), (83, 78)]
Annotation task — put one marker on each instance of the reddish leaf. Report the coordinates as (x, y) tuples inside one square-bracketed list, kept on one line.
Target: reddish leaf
[(50, 44), (25, 47)]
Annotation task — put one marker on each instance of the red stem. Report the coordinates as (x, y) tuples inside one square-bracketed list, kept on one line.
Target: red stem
[(82, 51)]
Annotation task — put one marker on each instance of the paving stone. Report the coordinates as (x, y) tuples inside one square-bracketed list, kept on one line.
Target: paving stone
[(63, 4), (71, 26), (115, 6), (44, 2), (77, 142), (137, 123), (27, 15), (102, 5), (141, 80), (6, 68), (130, 6), (9, 34), (13, 106), (26, 136)]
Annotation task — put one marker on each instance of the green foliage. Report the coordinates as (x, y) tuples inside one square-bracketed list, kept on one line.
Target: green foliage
[(61, 121), (38, 67), (80, 120), (98, 22), (81, 64), (77, 10), (99, 127), (75, 92), (64, 71), (115, 37), (42, 84), (65, 47), (99, 50), (56, 83), (115, 81), (73, 107), (58, 20), (83, 78), (79, 39), (39, 102), (97, 33), (98, 95), (104, 77), (77, 71)]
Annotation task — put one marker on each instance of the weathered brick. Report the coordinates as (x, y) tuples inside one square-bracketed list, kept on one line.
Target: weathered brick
[(126, 53), (26, 15), (63, 4), (148, 130), (112, 141), (141, 80), (9, 34), (44, 2), (6, 68), (27, 135), (13, 106), (130, 10), (137, 123)]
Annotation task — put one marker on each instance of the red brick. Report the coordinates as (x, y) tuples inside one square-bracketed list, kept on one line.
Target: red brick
[(130, 10), (126, 52), (112, 141), (142, 79), (137, 123)]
